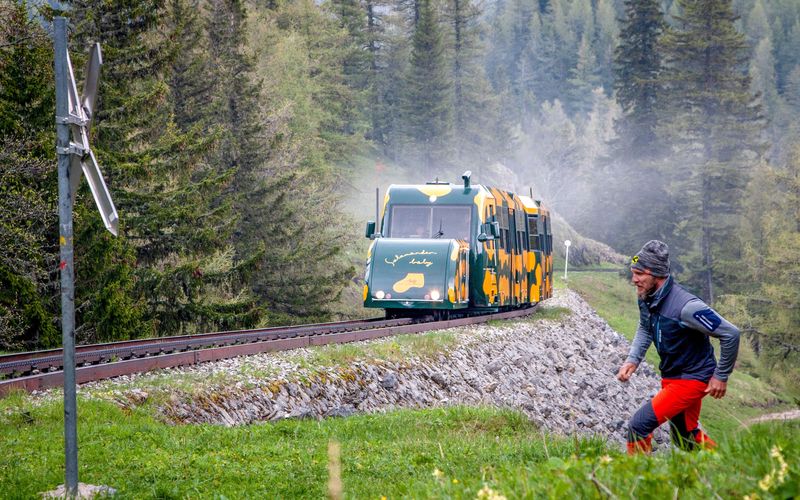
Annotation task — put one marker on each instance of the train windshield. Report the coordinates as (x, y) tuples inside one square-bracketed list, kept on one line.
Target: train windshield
[(418, 221)]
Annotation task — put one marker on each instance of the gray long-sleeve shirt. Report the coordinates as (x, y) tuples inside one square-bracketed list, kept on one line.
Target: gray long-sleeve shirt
[(679, 324)]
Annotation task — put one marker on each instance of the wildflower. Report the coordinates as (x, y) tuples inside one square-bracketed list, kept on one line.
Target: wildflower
[(438, 474), (487, 493), (775, 476), (605, 459), (766, 483), (455, 481), (383, 497)]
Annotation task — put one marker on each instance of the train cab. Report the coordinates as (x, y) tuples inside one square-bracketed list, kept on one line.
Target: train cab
[(442, 248)]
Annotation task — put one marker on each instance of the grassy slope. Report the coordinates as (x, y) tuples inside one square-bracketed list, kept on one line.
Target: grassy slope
[(449, 453)]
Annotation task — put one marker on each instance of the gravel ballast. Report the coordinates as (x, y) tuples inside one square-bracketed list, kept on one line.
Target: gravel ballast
[(561, 373)]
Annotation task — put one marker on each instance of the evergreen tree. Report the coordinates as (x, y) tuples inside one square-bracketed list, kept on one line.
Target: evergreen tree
[(711, 107), (427, 109), (479, 132), (514, 56), (297, 225), (28, 183), (391, 67), (191, 81), (167, 271), (758, 26), (771, 237), (584, 79), (26, 74), (637, 67), (605, 43)]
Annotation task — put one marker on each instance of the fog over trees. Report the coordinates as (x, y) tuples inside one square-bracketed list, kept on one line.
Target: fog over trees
[(228, 132)]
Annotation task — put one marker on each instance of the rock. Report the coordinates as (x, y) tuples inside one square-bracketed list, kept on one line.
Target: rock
[(85, 491), (389, 382), (440, 379), (494, 366)]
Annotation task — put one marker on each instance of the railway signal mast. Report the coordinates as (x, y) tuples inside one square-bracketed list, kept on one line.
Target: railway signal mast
[(74, 115)]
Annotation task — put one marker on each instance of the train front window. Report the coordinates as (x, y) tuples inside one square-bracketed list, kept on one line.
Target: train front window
[(416, 221)]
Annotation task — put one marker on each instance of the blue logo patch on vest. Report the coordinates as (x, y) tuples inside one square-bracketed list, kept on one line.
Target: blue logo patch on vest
[(708, 318)]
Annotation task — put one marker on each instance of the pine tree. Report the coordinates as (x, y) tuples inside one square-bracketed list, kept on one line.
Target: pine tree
[(168, 270), (26, 75), (479, 132), (712, 107), (638, 65), (427, 108), (768, 309), (296, 224), (191, 81), (28, 183), (584, 79), (605, 43), (512, 58)]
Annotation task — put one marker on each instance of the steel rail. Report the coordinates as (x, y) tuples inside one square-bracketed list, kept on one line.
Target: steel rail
[(25, 362), (167, 352)]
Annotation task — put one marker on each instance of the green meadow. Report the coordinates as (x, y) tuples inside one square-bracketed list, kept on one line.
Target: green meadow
[(456, 452)]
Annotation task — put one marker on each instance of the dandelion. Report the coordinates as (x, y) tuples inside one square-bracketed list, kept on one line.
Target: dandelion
[(383, 497), (487, 493), (455, 481)]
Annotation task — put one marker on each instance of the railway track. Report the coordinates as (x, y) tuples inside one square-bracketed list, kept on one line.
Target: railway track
[(31, 371)]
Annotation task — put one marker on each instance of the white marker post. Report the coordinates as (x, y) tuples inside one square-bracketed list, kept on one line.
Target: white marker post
[(566, 260)]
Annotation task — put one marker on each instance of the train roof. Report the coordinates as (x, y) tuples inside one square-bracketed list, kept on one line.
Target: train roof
[(446, 193)]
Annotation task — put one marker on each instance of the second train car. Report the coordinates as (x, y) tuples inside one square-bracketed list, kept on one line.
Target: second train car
[(444, 248)]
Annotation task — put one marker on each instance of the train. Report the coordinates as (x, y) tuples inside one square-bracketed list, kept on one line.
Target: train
[(444, 250)]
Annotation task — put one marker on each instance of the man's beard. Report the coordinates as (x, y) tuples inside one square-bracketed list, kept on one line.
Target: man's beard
[(644, 294)]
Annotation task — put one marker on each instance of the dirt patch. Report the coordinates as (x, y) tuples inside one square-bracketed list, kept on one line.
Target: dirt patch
[(785, 415)]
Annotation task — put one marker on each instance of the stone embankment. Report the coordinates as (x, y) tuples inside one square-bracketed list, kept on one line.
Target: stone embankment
[(560, 373)]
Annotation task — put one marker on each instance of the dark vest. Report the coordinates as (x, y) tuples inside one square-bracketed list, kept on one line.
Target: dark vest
[(684, 352)]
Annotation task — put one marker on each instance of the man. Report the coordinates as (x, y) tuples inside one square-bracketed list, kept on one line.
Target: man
[(679, 324)]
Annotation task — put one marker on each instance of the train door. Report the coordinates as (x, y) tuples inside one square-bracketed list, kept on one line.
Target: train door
[(492, 292), (513, 252), (524, 253), (535, 244)]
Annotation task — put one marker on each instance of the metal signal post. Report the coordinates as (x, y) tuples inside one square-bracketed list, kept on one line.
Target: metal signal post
[(73, 118)]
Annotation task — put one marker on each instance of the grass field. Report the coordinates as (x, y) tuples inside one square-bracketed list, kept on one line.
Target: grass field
[(439, 453), (434, 453)]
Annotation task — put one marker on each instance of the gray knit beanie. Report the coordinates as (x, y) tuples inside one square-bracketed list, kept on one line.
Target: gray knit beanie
[(653, 257)]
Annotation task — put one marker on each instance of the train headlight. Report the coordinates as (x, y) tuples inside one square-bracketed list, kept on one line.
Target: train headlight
[(435, 295), (379, 294)]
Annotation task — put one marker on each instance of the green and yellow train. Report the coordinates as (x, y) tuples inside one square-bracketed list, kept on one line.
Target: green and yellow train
[(445, 248)]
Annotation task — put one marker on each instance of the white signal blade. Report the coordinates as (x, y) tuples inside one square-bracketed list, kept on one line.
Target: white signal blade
[(102, 197), (72, 92), (91, 82)]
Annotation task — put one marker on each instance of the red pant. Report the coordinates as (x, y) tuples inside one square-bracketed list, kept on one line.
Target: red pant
[(679, 402)]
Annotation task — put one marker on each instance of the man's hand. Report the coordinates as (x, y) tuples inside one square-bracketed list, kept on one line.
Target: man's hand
[(625, 371), (716, 388)]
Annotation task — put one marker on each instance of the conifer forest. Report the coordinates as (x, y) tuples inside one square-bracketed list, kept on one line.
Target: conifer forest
[(232, 135)]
